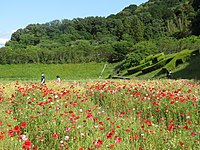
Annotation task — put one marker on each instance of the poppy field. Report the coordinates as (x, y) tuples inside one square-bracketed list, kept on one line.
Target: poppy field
[(100, 114)]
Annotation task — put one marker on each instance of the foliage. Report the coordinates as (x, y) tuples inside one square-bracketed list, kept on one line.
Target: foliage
[(137, 54), (158, 65), (180, 58), (135, 69), (152, 27)]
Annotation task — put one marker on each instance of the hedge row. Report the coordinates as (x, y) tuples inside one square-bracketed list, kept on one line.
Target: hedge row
[(180, 58), (158, 65), (148, 58), (154, 58), (138, 68)]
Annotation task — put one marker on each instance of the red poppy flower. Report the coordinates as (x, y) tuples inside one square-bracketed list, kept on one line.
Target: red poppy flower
[(89, 116), (41, 138), (16, 128), (10, 133), (23, 124), (193, 134), (27, 144), (136, 136), (55, 135), (1, 135), (112, 146), (181, 143)]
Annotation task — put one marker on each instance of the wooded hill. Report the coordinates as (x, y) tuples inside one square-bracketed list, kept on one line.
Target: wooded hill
[(167, 26)]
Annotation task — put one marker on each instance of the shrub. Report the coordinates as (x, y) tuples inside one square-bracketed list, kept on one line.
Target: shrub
[(138, 68), (157, 65), (155, 57), (160, 58), (148, 58), (142, 61), (133, 59), (180, 58)]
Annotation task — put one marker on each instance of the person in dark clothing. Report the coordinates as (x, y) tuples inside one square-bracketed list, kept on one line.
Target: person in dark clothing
[(169, 74), (42, 79)]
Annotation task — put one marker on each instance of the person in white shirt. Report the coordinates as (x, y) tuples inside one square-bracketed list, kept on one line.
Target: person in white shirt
[(58, 79), (42, 79)]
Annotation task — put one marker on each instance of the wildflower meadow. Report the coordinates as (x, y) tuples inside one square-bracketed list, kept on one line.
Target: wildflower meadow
[(100, 114)]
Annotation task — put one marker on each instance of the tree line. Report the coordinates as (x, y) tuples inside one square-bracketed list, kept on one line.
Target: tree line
[(109, 38)]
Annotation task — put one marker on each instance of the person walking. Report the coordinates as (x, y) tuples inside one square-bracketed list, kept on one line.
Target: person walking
[(170, 74), (42, 79), (58, 79)]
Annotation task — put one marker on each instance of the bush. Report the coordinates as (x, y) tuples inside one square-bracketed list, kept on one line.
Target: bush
[(154, 58), (148, 58), (133, 59), (142, 61), (158, 57), (138, 68), (157, 65), (180, 58)]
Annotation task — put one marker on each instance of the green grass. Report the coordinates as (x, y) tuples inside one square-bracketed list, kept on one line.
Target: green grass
[(65, 71), (189, 70)]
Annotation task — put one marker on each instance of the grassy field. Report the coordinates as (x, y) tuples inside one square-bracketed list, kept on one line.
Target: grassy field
[(85, 71), (65, 71)]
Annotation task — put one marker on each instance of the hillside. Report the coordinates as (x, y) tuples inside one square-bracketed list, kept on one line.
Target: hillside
[(167, 26), (190, 70), (187, 70)]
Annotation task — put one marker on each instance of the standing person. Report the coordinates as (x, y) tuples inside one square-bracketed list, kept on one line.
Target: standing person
[(170, 74), (42, 79), (58, 79)]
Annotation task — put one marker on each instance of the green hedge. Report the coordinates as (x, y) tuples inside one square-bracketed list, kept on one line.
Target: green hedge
[(138, 68), (156, 58), (148, 58), (157, 65), (142, 61), (160, 58), (180, 58)]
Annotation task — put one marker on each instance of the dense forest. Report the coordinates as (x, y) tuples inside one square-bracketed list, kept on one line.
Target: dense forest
[(167, 26)]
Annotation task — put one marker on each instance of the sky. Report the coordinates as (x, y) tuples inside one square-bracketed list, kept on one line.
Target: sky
[(16, 14)]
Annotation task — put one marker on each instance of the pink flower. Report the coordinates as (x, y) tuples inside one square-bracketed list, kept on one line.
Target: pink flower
[(117, 139), (67, 129), (89, 116)]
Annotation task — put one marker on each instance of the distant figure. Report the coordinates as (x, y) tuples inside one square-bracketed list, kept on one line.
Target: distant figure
[(169, 74), (42, 79), (58, 79)]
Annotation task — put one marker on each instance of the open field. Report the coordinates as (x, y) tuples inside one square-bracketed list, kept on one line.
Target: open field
[(100, 114), (65, 71)]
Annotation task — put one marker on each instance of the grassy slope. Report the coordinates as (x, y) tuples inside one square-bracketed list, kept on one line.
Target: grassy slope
[(65, 71), (188, 70)]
